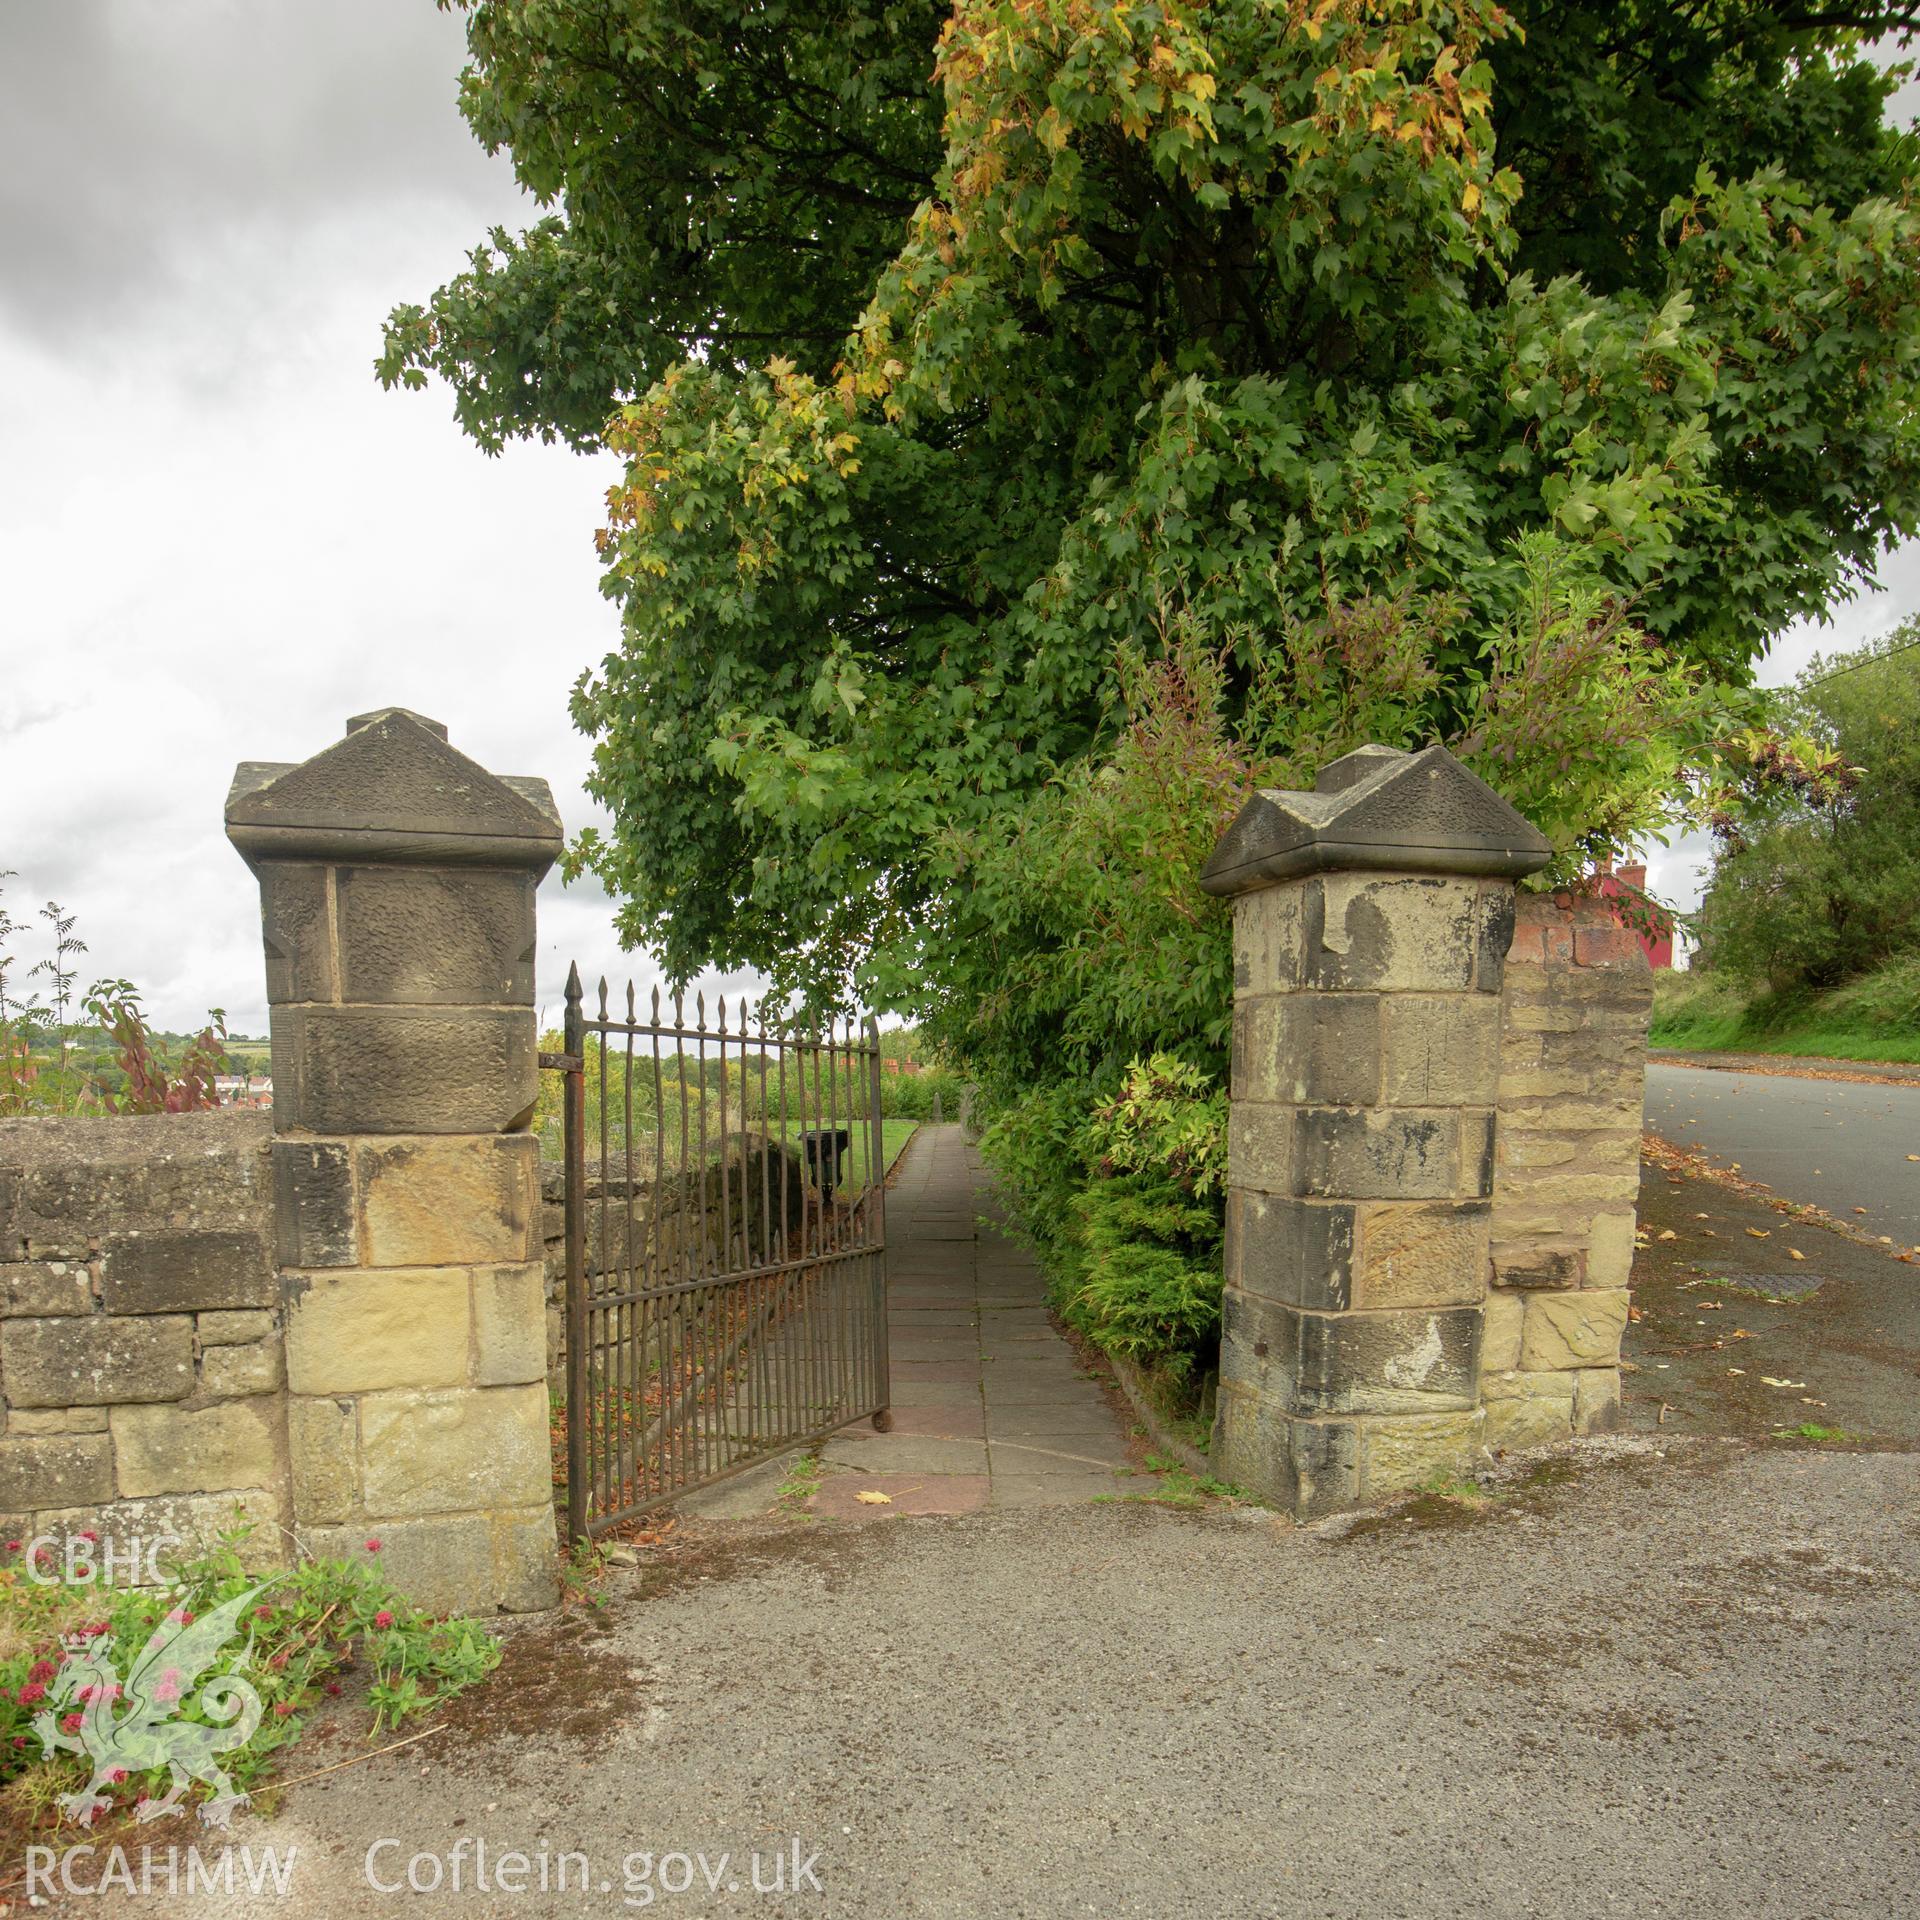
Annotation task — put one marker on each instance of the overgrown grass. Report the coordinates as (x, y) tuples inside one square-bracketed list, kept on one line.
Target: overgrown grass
[(1876, 1017)]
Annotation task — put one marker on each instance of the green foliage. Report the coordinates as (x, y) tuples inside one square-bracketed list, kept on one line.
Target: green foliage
[(1816, 879), (1875, 1016), (313, 1624), (1022, 468), (50, 1065), (910, 1096)]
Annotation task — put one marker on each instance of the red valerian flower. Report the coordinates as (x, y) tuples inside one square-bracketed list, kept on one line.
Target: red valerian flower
[(373, 1546), (383, 1618), (282, 1708), (42, 1670), (31, 1692), (71, 1723), (333, 1686)]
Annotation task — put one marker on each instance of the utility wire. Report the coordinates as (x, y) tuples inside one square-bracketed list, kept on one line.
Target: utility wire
[(1906, 646)]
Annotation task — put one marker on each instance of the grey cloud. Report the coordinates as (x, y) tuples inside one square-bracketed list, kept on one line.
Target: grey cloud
[(137, 139)]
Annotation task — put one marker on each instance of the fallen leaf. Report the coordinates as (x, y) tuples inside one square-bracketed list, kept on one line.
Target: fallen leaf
[(871, 1499), (1703, 1216), (1913, 1156), (1767, 1380), (1859, 1209), (1738, 1370), (1759, 1233), (1794, 1253), (1669, 1234)]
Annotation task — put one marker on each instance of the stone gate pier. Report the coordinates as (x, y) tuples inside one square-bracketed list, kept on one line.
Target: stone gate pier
[(397, 904), (1373, 919)]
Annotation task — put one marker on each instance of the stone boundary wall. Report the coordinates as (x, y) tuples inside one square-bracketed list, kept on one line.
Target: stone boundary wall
[(141, 1364), (1574, 1010)]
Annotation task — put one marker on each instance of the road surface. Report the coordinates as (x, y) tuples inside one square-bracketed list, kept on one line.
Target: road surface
[(1848, 1147)]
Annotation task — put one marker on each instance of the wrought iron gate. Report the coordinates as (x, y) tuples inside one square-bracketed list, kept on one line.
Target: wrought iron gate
[(725, 1246)]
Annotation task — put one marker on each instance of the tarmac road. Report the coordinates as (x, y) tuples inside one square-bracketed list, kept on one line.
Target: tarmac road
[(1843, 1145)]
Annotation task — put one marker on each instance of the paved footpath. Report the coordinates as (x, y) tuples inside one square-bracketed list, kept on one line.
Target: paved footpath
[(991, 1408)]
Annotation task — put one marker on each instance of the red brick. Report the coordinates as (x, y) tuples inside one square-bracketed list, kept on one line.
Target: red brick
[(1607, 947)]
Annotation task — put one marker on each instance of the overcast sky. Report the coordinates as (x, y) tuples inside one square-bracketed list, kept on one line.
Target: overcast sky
[(218, 535)]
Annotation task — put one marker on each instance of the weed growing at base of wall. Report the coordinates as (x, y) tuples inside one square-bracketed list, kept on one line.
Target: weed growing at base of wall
[(310, 1632)]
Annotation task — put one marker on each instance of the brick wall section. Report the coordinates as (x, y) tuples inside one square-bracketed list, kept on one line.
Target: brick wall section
[(1574, 1010), (140, 1337)]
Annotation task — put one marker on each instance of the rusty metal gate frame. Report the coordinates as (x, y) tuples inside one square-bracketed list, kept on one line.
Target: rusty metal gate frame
[(791, 1344)]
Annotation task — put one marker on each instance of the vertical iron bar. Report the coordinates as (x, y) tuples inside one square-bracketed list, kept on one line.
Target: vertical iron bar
[(573, 1150), (603, 1451), (632, 1315), (877, 1234)]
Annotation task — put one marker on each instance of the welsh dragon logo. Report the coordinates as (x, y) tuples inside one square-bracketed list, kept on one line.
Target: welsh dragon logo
[(147, 1731)]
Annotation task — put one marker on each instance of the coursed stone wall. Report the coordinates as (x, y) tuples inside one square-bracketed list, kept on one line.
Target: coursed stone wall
[(141, 1361), (1574, 1010)]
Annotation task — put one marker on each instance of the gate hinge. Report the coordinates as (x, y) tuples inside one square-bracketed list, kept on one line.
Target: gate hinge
[(564, 1062)]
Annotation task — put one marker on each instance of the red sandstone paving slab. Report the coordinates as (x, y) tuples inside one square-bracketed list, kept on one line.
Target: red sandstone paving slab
[(1056, 1453), (935, 1393), (1065, 1489), (905, 1453), (955, 1420), (936, 1372), (907, 1493)]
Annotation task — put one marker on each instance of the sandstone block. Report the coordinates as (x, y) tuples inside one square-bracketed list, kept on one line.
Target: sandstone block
[(1524, 1421), (436, 936), (1500, 1323), (361, 1330), (316, 1223), (323, 1449), (525, 1559), (1409, 1451), (1321, 1049), (1268, 933), (1610, 1250), (1398, 933), (509, 1325), (345, 1070), (1441, 1049), (1394, 1153), (38, 1420), (167, 1449), (296, 928), (97, 1360), (234, 1328), (1300, 1467), (54, 1470), (1341, 1363), (1580, 1329), (1533, 1263), (166, 1272), (1421, 1254), (192, 1524), (1596, 1400), (446, 1564), (45, 1289), (1259, 1147), (232, 1371), (1296, 1251), (455, 1451), (471, 1202)]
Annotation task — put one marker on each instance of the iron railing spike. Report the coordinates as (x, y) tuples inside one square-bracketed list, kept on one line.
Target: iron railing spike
[(603, 996), (630, 1004)]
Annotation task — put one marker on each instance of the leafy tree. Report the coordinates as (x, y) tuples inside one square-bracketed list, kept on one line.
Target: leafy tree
[(1045, 419), (1816, 877), (935, 398)]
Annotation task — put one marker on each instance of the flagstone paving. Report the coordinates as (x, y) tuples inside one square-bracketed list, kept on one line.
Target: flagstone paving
[(991, 1407)]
